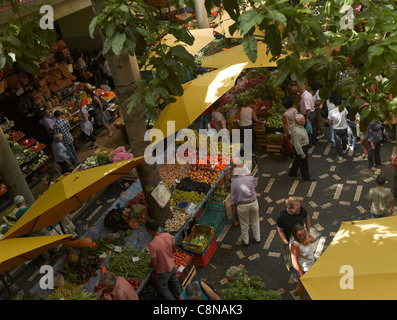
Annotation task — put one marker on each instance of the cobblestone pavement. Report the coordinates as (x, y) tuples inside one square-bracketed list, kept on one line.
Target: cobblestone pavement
[(336, 195)]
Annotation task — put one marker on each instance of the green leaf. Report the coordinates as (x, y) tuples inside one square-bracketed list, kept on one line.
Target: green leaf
[(107, 45), (374, 51), (281, 74), (118, 43), (250, 46), (92, 26), (248, 20), (277, 16), (110, 29), (28, 65), (124, 8), (364, 112)]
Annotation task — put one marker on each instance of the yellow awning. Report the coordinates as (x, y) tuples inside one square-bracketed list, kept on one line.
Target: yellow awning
[(16, 251), (67, 195), (198, 95), (362, 255)]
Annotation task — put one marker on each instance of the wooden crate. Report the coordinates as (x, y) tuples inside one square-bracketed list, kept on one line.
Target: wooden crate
[(274, 144), (189, 277)]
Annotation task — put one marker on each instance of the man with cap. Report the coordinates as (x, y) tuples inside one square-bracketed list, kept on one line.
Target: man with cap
[(244, 202)]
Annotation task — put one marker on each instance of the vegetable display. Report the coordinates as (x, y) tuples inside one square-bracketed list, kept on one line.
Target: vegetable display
[(187, 184), (130, 263), (177, 221)]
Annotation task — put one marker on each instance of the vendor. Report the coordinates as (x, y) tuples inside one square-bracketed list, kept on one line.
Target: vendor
[(199, 290), (21, 205), (246, 116), (219, 119), (115, 288)]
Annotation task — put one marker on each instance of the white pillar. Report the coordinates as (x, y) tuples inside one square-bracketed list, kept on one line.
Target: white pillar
[(201, 13)]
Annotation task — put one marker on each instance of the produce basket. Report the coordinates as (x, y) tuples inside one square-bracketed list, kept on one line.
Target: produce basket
[(197, 230), (214, 216), (201, 260), (274, 142)]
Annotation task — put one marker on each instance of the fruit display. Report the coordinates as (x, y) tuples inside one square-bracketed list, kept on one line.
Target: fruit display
[(37, 147), (177, 221), (107, 96), (275, 118), (38, 162), (187, 184), (99, 92), (182, 259), (169, 173), (203, 175), (192, 196), (15, 135), (27, 142), (85, 101)]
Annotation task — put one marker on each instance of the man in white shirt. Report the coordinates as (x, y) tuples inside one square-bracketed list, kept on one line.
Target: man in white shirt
[(339, 124), (307, 108)]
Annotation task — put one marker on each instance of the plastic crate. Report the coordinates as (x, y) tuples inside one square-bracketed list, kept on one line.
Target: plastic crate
[(197, 230), (214, 216), (201, 260)]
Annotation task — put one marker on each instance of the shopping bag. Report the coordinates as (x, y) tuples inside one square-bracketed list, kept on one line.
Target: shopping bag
[(309, 128), (161, 195), (288, 260)]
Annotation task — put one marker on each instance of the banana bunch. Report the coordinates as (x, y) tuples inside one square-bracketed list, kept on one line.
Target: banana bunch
[(85, 295)]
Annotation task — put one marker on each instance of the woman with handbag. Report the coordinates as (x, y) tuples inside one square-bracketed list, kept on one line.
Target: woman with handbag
[(102, 116)]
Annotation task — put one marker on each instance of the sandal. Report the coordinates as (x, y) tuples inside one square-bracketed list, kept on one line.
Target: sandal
[(373, 169)]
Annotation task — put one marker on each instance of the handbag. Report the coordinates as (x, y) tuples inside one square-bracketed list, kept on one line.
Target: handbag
[(288, 260), (287, 145), (309, 128)]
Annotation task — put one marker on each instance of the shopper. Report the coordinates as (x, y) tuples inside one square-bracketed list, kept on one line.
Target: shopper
[(289, 115), (161, 250), (102, 116), (206, 118), (245, 204), (19, 201), (85, 125), (380, 200), (292, 215), (219, 119), (318, 102), (339, 124), (115, 288), (307, 109), (62, 126), (48, 123), (374, 138), (61, 155), (302, 255), (199, 290), (300, 145), (363, 138)]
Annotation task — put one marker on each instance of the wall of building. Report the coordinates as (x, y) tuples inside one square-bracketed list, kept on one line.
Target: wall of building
[(75, 30)]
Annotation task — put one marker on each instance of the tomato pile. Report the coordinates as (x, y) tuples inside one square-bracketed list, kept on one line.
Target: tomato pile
[(181, 259), (27, 142), (37, 147)]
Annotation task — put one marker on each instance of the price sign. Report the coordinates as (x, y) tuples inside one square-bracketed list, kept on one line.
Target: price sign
[(181, 268), (117, 249), (135, 259)]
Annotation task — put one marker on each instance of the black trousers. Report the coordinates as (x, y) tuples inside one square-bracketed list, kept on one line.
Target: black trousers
[(301, 164)]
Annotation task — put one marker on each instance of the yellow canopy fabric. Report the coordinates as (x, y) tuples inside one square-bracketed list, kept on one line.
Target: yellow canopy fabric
[(14, 252), (67, 195), (224, 25), (362, 252), (198, 95), (237, 55), (202, 37)]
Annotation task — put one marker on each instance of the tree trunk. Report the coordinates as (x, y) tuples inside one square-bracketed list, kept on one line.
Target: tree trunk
[(124, 70), (11, 173), (201, 12)]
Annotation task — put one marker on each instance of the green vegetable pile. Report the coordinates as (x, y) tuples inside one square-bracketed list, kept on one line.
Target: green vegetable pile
[(98, 160), (200, 239), (248, 288), (275, 119), (123, 265)]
